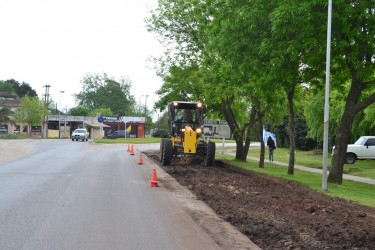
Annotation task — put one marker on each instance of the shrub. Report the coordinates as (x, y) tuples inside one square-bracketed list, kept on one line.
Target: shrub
[(160, 133)]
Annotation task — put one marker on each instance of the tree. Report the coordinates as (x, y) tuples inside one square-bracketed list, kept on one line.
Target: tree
[(184, 25), (14, 87), (353, 50), (7, 87), (31, 111), (101, 111), (79, 111), (101, 91), (5, 114), (180, 83), (239, 46)]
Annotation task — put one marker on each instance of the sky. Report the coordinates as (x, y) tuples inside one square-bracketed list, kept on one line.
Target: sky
[(46, 42)]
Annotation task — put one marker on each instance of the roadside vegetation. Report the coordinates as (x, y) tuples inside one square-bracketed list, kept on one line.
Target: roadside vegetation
[(314, 159), (18, 136)]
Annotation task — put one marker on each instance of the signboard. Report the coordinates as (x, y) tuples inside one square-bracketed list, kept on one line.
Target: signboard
[(100, 119), (216, 129), (124, 119)]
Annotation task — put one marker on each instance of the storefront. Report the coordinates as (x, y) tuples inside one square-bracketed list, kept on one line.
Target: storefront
[(63, 125), (134, 126)]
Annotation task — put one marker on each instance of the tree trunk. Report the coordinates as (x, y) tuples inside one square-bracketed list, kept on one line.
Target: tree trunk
[(226, 104), (342, 140), (239, 146), (246, 147), (352, 107), (260, 136), (292, 140), (247, 138)]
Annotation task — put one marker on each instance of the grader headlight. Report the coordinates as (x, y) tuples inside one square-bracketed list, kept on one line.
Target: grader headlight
[(199, 130)]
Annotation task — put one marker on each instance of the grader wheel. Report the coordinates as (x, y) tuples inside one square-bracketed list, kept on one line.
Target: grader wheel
[(162, 142), (210, 156), (167, 153)]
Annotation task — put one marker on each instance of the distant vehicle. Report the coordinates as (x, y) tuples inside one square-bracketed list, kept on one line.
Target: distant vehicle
[(363, 148), (80, 134), (119, 134), (3, 131)]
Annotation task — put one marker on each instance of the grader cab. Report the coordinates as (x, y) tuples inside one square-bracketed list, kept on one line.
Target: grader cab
[(185, 120)]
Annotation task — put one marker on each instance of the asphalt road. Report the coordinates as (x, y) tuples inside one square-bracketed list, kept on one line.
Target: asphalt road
[(76, 195)]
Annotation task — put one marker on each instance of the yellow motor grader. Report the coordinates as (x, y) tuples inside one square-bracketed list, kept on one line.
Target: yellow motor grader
[(185, 122)]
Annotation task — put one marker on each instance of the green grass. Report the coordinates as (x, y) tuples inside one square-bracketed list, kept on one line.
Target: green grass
[(18, 136), (129, 140), (361, 193), (221, 140), (314, 159)]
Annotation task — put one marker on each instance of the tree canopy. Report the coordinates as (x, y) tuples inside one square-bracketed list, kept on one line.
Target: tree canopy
[(253, 56), (20, 89), (31, 111), (100, 91)]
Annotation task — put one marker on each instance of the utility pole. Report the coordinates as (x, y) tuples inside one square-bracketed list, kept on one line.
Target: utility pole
[(61, 92), (46, 100)]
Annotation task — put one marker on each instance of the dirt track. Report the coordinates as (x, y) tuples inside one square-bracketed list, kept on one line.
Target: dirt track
[(276, 213)]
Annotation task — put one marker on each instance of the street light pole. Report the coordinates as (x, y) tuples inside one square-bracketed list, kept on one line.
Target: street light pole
[(46, 100), (139, 104), (326, 101), (61, 92)]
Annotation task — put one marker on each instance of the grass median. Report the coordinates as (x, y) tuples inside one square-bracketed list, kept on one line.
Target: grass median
[(314, 159)]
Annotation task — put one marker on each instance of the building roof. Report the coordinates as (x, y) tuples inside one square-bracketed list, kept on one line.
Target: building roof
[(95, 124), (9, 100)]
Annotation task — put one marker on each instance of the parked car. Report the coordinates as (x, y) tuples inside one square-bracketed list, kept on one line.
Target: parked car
[(363, 148), (118, 134), (80, 134), (3, 131)]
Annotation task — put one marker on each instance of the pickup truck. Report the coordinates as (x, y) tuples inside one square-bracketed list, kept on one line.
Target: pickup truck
[(80, 134), (363, 148)]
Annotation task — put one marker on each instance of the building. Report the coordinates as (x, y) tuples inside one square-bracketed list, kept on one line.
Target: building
[(62, 126), (8, 100), (98, 127), (12, 102)]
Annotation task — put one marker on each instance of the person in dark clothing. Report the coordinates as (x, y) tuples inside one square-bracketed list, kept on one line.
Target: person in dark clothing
[(271, 146)]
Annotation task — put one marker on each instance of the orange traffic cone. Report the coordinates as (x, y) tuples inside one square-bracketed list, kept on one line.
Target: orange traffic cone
[(154, 180), (128, 147), (132, 150), (140, 162)]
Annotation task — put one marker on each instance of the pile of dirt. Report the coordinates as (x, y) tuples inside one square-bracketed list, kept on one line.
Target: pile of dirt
[(276, 213)]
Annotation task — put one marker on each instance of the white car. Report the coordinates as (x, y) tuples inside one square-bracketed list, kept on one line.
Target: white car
[(363, 148), (80, 134)]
